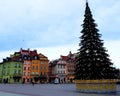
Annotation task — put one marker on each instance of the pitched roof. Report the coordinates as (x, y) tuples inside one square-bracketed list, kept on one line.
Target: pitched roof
[(17, 58), (33, 53), (64, 57), (69, 57), (28, 52)]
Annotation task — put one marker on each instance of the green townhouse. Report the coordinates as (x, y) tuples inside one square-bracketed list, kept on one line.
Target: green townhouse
[(12, 70), (1, 66)]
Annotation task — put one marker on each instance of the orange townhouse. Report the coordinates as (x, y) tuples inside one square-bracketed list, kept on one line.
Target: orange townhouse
[(44, 68), (35, 69)]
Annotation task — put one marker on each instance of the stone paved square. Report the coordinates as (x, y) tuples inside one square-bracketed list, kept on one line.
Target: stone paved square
[(46, 90)]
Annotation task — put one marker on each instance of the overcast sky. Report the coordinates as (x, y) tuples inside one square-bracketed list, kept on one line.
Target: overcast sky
[(52, 27)]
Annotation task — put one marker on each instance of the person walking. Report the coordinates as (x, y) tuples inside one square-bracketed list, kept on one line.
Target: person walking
[(23, 82), (33, 83)]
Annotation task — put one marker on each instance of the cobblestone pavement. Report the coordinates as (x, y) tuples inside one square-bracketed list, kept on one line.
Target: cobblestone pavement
[(46, 90)]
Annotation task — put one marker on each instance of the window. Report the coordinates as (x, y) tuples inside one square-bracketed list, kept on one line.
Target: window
[(8, 66), (3, 65), (41, 68), (35, 57), (33, 73), (29, 58), (41, 73), (28, 68), (24, 73), (33, 67), (20, 59), (15, 65), (36, 73), (25, 58), (4, 72), (19, 71), (36, 67), (27, 80), (7, 73), (28, 73), (44, 68), (15, 71), (24, 68), (24, 62), (19, 65), (44, 73)]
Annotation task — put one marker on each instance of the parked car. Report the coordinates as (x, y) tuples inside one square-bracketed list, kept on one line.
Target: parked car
[(56, 81)]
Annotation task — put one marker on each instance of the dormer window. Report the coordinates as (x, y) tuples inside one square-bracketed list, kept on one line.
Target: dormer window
[(15, 65), (20, 59), (25, 57), (29, 58), (35, 57)]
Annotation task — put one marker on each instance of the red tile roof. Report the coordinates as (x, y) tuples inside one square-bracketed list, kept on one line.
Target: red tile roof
[(64, 58), (28, 52), (16, 58)]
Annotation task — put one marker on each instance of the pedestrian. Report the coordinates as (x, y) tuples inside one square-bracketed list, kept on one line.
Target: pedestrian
[(33, 83), (23, 82)]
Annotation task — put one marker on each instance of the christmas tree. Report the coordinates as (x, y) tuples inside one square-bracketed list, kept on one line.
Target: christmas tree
[(92, 61)]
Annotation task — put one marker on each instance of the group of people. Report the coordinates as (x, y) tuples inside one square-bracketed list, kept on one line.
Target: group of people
[(32, 82)]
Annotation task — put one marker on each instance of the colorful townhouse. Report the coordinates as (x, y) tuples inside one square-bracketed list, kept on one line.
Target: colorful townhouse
[(25, 66), (58, 68), (1, 68), (26, 78), (44, 68), (28, 58), (12, 70), (70, 66), (35, 68), (63, 68), (39, 68)]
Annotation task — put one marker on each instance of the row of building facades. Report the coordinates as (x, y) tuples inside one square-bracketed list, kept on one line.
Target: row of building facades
[(28, 66)]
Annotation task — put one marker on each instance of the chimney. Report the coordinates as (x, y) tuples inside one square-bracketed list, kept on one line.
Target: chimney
[(28, 50), (35, 51), (20, 50)]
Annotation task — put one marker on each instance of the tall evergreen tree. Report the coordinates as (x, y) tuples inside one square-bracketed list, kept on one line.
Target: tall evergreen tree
[(92, 61)]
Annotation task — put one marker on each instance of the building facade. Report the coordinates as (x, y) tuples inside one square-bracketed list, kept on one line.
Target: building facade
[(44, 68), (70, 66), (1, 68), (63, 68), (26, 78), (35, 72), (12, 70), (58, 70), (25, 66)]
